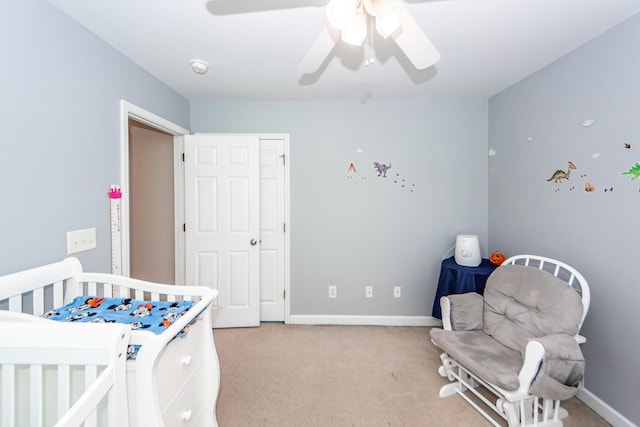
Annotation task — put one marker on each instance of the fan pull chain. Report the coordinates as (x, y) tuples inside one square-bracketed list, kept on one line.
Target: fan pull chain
[(371, 59)]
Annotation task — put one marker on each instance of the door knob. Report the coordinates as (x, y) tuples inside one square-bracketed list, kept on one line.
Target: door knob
[(254, 242)]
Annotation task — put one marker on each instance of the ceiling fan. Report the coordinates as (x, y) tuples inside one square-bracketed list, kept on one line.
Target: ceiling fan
[(347, 20)]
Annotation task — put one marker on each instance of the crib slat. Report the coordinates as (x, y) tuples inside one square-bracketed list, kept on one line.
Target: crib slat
[(90, 375), (38, 302), (92, 288), (15, 303), (58, 294), (35, 395), (8, 395), (123, 292), (64, 390), (139, 294)]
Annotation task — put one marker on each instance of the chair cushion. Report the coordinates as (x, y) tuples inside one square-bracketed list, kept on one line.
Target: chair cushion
[(523, 302), (482, 355), (466, 313)]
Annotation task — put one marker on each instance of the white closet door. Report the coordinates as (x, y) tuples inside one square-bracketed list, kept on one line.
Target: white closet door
[(222, 214), (272, 230)]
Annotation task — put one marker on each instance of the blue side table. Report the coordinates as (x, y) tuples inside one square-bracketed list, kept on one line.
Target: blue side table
[(458, 279)]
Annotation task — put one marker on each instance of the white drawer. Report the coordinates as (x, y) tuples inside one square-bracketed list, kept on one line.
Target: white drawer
[(186, 409), (177, 362)]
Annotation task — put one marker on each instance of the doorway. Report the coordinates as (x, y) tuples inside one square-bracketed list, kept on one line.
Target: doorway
[(151, 204), (153, 125)]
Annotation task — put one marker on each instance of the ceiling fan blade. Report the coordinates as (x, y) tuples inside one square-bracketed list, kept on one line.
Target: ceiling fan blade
[(232, 7), (414, 42), (320, 49)]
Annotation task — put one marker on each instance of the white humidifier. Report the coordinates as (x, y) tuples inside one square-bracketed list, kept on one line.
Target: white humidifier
[(467, 250)]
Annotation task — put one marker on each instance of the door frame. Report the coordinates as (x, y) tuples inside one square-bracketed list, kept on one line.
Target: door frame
[(133, 112)]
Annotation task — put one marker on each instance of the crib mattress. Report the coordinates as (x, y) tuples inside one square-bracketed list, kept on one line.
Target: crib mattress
[(153, 316)]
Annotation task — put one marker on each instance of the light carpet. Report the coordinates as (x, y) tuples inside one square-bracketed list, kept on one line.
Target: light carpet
[(365, 376)]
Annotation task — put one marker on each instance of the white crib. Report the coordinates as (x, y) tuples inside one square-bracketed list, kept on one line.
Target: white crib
[(174, 379), (31, 369)]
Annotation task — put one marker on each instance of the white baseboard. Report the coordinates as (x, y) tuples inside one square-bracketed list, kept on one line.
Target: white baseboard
[(326, 319), (600, 407)]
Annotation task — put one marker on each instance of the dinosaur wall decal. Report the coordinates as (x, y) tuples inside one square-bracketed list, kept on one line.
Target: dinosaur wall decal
[(560, 174), (382, 169), (634, 171)]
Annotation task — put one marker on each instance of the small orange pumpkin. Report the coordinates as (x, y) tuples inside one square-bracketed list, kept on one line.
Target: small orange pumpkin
[(497, 258)]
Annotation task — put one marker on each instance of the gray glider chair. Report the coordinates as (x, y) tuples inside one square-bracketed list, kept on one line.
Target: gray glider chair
[(519, 341)]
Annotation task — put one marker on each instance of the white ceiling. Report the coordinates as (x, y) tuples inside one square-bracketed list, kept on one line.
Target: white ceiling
[(253, 47)]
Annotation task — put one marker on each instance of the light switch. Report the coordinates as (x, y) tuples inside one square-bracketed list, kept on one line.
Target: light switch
[(81, 240)]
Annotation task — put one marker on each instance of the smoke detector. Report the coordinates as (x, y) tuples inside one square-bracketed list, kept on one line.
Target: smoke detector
[(199, 66)]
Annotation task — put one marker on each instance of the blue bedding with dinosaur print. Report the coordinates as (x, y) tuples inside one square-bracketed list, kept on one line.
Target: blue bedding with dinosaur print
[(153, 316)]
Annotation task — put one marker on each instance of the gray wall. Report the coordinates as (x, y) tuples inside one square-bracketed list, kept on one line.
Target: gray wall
[(354, 232), (60, 140), (597, 232)]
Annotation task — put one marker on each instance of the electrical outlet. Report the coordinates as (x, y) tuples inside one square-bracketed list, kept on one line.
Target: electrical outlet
[(368, 291), (81, 240), (397, 292), (333, 291)]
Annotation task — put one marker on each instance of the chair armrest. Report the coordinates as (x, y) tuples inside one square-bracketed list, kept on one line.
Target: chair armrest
[(533, 356), (462, 312), (553, 367)]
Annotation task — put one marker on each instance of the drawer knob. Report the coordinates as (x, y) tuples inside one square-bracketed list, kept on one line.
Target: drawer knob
[(186, 415), (186, 360)]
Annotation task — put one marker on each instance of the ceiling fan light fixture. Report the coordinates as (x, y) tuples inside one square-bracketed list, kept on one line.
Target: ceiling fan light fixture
[(378, 7), (389, 23), (341, 12), (349, 21), (199, 66), (356, 31)]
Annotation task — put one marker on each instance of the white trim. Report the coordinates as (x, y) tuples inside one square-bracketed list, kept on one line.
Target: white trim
[(131, 111), (600, 407), (287, 234), (178, 203), (328, 319), (148, 118)]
